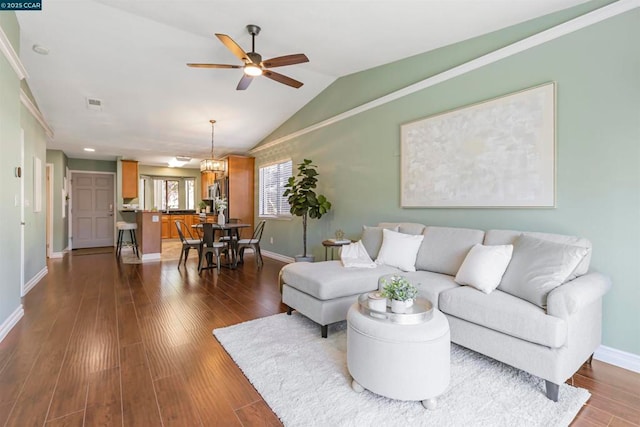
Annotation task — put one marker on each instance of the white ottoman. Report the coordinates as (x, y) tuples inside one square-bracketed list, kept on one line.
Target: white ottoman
[(399, 361)]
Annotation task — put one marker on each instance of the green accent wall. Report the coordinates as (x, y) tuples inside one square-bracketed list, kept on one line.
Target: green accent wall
[(92, 165), (597, 71), (9, 160)]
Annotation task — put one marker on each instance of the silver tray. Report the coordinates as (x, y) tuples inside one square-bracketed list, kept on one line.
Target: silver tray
[(421, 311)]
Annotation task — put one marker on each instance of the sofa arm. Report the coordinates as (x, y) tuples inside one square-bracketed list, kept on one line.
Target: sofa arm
[(569, 298)]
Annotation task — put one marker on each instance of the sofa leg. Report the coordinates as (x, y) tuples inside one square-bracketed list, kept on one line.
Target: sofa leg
[(289, 310), (552, 390), (590, 359), (325, 330)]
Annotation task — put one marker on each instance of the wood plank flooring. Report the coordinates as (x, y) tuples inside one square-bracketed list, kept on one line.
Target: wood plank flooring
[(112, 344)]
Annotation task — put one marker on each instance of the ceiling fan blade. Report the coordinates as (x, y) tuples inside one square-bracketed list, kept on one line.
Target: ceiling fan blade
[(281, 61), (233, 47), (244, 82), (282, 79), (213, 66)]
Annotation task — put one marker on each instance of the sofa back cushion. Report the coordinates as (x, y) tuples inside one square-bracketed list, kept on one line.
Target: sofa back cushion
[(444, 248), (372, 238), (507, 237), (404, 227), (538, 266)]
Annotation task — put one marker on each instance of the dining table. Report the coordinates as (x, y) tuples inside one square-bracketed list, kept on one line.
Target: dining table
[(230, 229)]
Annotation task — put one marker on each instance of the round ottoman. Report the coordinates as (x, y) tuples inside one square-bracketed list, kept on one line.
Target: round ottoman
[(399, 361)]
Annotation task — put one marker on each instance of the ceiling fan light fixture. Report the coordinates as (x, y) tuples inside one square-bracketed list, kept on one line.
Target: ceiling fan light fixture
[(212, 164), (252, 70)]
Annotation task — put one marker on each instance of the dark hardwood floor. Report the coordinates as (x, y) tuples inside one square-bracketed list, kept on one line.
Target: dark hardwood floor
[(106, 343)]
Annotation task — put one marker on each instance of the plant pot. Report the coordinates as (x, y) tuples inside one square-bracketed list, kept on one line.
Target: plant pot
[(401, 306), (308, 258)]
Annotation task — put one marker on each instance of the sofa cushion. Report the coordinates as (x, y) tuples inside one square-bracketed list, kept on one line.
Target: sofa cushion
[(444, 248), (538, 266), (329, 279), (507, 237), (505, 313), (372, 239), (484, 266), (399, 250), (430, 285), (403, 227)]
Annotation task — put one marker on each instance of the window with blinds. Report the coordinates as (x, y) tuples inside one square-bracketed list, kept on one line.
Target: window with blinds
[(273, 178)]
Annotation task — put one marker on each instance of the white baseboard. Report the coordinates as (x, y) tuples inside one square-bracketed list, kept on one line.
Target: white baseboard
[(618, 358), (278, 257), (34, 280), (150, 257), (56, 255), (11, 321)]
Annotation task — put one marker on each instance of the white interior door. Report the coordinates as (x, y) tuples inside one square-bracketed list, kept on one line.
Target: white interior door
[(92, 210)]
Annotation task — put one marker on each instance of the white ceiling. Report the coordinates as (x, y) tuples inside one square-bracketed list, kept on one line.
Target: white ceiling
[(131, 54)]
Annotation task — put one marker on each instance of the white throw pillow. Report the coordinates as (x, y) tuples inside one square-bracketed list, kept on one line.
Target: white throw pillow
[(484, 266), (539, 266), (372, 239), (399, 250), (355, 255)]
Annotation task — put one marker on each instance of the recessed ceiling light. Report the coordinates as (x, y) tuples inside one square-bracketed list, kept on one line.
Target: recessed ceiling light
[(40, 49), (91, 150)]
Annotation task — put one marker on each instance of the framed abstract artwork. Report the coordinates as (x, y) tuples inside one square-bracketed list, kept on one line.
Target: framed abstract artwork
[(496, 153)]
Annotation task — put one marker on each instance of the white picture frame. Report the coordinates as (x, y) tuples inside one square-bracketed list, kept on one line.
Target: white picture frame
[(496, 153)]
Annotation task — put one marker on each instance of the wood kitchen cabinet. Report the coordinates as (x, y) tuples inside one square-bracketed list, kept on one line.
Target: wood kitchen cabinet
[(240, 170), (129, 179), (206, 179), (166, 233)]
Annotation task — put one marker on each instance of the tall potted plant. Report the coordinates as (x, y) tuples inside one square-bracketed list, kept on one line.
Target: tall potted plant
[(303, 200)]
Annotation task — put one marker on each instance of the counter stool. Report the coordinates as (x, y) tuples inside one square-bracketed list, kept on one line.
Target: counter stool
[(122, 227)]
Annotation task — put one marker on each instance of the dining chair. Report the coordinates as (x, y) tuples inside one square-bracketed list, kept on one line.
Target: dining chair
[(210, 246), (188, 241), (252, 243)]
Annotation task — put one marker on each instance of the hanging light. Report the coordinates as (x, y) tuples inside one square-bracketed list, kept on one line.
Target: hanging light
[(212, 164)]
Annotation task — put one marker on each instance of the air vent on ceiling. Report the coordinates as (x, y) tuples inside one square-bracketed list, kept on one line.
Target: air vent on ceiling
[(94, 104)]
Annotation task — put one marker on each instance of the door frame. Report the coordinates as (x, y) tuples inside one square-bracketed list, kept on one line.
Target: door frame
[(50, 168), (115, 210), (22, 212)]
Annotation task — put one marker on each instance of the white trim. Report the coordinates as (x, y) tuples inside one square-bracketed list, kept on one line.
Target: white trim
[(12, 56), (36, 113), (150, 257), (49, 171), (277, 256), (57, 254), (618, 358), (34, 280), (598, 15), (11, 321)]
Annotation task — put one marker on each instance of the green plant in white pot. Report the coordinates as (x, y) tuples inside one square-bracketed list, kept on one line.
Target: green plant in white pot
[(400, 291), (303, 200)]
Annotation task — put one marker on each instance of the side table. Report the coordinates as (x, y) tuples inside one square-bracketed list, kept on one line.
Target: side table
[(333, 244), (399, 356)]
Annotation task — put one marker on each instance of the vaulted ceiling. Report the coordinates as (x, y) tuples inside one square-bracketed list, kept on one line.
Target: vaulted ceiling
[(132, 55)]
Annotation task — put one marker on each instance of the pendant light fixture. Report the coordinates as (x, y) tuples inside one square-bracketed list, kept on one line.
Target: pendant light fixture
[(212, 164)]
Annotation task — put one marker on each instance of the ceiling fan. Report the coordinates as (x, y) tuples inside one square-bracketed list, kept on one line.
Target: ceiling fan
[(253, 64)]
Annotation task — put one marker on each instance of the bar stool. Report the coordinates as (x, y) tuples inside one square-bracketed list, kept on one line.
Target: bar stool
[(122, 227)]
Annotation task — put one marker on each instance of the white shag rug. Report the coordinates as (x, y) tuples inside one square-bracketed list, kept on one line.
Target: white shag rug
[(305, 380)]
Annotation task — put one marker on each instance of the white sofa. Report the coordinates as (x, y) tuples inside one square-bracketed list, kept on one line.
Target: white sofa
[(550, 341)]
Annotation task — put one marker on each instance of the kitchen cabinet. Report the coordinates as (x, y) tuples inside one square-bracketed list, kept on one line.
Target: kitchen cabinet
[(240, 171), (173, 230), (129, 179), (166, 233), (206, 179)]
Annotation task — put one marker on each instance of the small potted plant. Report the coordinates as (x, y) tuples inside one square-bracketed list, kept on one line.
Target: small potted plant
[(400, 291), (203, 206)]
